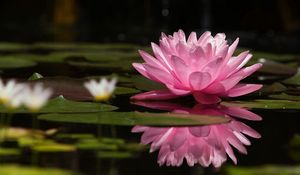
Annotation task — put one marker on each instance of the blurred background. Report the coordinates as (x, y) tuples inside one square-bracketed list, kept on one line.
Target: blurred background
[(270, 25)]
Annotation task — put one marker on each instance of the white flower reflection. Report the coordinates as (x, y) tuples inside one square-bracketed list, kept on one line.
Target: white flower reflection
[(36, 97), (204, 145)]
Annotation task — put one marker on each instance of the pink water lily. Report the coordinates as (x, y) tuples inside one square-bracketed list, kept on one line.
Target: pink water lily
[(204, 145), (204, 67)]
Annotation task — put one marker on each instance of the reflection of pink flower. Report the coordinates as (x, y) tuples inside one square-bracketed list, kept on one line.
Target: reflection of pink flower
[(199, 144), (204, 67)]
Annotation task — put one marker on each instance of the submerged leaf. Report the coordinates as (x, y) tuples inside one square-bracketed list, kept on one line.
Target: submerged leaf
[(135, 118)]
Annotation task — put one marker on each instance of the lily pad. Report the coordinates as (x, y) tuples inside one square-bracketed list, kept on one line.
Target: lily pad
[(284, 96), (13, 47), (294, 147), (12, 169), (265, 104), (8, 62), (273, 67), (115, 154), (135, 118), (61, 105), (84, 46), (294, 80), (264, 170)]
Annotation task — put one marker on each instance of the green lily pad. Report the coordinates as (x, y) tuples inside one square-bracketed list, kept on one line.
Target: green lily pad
[(8, 62), (9, 152), (264, 170), (13, 47), (273, 88), (61, 105), (125, 90), (12, 169), (284, 96), (84, 46), (294, 80), (145, 84), (95, 144), (273, 67), (265, 104), (135, 118), (294, 147), (115, 154)]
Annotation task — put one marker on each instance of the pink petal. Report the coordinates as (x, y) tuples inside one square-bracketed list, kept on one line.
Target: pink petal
[(177, 91), (206, 98), (178, 138), (241, 113), (231, 49), (162, 76), (182, 71), (160, 56), (242, 89), (200, 131), (192, 38), (199, 80), (141, 69), (204, 37), (154, 95), (151, 60)]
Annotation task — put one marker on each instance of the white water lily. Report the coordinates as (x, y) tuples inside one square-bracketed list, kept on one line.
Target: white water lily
[(101, 90), (11, 94), (36, 97)]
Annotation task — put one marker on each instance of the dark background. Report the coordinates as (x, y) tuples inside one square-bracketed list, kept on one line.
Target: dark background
[(272, 25)]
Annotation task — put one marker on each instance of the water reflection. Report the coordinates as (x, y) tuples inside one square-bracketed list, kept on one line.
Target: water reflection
[(205, 145)]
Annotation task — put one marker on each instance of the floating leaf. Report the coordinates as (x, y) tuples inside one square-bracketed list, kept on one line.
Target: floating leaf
[(135, 118), (125, 90), (13, 47), (11, 169), (52, 147), (265, 104), (273, 67), (8, 62), (146, 84), (284, 96), (264, 170), (95, 144), (9, 152), (273, 88), (294, 147), (115, 154), (294, 80), (60, 105), (85, 46)]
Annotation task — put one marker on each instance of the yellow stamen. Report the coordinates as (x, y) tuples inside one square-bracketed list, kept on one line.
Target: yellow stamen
[(102, 97)]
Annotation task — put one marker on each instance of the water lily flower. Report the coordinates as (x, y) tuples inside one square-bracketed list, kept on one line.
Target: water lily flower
[(204, 67), (204, 145), (36, 97), (9, 90), (101, 90)]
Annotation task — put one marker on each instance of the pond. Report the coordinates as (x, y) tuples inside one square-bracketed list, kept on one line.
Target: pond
[(253, 134)]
